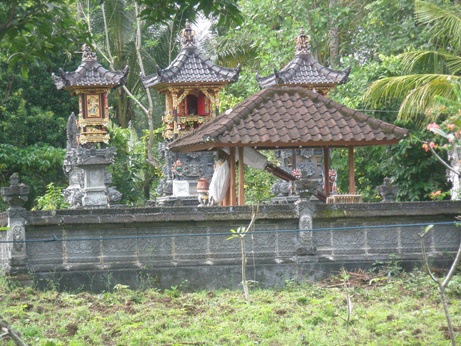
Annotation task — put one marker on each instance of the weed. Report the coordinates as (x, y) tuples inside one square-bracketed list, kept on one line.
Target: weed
[(108, 279), (392, 267), (176, 291), (147, 281), (291, 284), (454, 287)]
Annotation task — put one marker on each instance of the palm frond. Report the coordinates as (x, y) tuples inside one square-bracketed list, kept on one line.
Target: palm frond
[(444, 24), (419, 89), (454, 64), (431, 61), (422, 98)]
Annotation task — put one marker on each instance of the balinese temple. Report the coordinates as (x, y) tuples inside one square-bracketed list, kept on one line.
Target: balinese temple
[(293, 115), (305, 71), (191, 85), (87, 153)]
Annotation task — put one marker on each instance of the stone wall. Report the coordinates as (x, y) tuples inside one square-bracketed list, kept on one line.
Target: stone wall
[(97, 248)]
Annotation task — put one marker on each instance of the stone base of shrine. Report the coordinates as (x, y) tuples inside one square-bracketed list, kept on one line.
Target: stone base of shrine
[(191, 201)]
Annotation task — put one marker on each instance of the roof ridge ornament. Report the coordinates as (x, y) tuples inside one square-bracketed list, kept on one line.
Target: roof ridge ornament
[(188, 36), (87, 53), (302, 43)]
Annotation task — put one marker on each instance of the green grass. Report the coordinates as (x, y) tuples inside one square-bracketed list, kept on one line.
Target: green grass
[(403, 310)]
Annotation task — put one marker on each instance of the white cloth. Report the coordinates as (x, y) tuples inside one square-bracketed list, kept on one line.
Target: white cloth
[(251, 157), (219, 182), (180, 188)]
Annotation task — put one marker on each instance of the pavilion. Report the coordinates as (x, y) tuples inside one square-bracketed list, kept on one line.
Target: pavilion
[(284, 117)]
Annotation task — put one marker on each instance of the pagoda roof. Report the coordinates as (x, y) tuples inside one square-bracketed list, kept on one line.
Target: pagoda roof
[(89, 74), (283, 117), (304, 70), (190, 67)]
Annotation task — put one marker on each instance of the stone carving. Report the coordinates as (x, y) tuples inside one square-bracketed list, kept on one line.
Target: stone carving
[(165, 188), (16, 194), (305, 188), (307, 169), (281, 188), (305, 164), (113, 194), (387, 191), (18, 238), (76, 156)]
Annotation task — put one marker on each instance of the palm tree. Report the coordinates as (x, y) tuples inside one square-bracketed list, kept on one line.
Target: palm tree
[(428, 73)]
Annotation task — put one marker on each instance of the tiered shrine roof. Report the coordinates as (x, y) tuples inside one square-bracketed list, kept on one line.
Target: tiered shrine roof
[(304, 70), (190, 67), (89, 74)]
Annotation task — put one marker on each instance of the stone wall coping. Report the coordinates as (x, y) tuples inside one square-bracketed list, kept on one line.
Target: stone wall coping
[(157, 214), (327, 211)]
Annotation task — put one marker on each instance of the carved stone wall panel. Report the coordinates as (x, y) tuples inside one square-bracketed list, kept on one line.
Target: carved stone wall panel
[(349, 242), (44, 252), (220, 247), (410, 240), (446, 238), (118, 250), (191, 247), (382, 240), (155, 249), (322, 239), (286, 244), (87, 249)]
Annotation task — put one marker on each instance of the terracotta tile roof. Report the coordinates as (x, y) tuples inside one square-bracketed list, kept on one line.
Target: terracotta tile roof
[(289, 117), (304, 70), (90, 74), (191, 66)]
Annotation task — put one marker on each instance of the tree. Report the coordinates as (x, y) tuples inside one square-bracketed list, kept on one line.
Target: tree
[(427, 73), (36, 30)]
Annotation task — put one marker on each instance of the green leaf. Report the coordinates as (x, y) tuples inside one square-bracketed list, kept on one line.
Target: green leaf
[(428, 228)]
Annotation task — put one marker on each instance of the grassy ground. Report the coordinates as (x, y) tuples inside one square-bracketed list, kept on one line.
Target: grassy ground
[(397, 310)]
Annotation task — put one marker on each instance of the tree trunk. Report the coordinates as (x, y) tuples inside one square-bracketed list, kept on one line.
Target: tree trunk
[(333, 34)]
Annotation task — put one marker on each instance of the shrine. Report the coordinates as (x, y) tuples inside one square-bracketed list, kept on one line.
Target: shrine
[(294, 116), (87, 155), (191, 85), (306, 72)]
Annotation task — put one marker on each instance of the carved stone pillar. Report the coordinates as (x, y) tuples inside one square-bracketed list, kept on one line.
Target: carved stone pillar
[(16, 256), (306, 210)]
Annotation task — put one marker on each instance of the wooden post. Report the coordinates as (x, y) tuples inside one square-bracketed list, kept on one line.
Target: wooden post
[(241, 178), (326, 164), (351, 171), (232, 176)]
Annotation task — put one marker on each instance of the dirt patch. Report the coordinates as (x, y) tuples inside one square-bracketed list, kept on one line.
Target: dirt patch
[(71, 329)]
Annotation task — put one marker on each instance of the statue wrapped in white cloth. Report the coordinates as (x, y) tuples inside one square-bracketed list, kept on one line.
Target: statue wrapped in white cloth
[(219, 182)]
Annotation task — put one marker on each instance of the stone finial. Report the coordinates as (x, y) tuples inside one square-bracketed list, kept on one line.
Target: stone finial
[(387, 191), (188, 36), (87, 53), (302, 43), (16, 194)]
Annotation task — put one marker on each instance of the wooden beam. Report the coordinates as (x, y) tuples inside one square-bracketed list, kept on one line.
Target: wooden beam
[(241, 178), (351, 171), (233, 200), (326, 164)]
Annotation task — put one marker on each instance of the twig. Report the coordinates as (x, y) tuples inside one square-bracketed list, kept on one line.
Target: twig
[(9, 332), (441, 285)]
